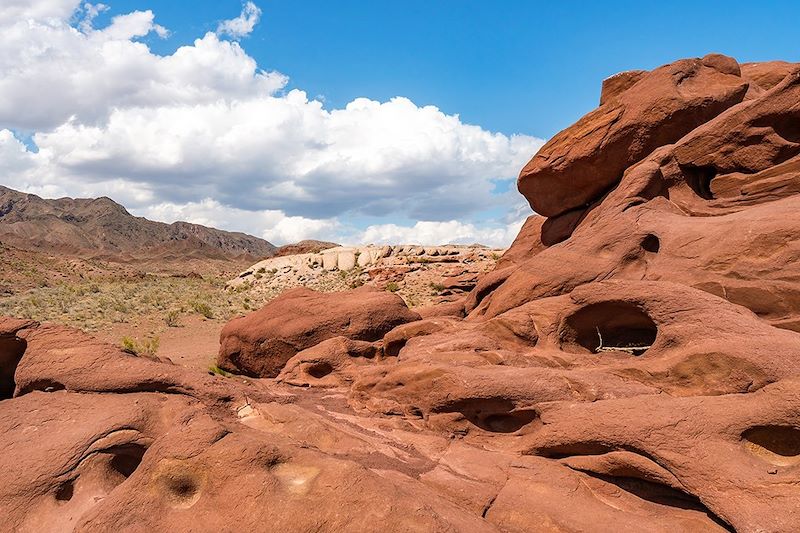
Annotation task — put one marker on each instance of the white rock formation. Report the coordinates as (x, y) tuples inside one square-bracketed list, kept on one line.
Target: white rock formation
[(344, 258)]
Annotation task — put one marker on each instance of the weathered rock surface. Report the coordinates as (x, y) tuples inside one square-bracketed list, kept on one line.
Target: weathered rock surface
[(631, 365)]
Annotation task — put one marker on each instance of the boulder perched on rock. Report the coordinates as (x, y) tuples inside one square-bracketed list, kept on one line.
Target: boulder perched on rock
[(260, 343)]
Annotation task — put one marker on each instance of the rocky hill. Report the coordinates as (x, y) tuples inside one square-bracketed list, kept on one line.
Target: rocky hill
[(631, 364), (101, 228), (421, 275)]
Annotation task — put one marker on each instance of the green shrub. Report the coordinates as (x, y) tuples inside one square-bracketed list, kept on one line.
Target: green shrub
[(204, 309), (392, 286), (437, 287), (214, 369)]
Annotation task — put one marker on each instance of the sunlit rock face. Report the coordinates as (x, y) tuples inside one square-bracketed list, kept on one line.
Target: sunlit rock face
[(630, 365)]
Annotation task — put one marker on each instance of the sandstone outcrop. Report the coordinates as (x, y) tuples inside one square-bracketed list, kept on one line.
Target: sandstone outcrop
[(260, 343), (582, 162), (421, 275), (632, 363), (344, 258)]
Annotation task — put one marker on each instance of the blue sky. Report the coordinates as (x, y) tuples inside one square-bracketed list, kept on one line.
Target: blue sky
[(346, 120), (513, 66)]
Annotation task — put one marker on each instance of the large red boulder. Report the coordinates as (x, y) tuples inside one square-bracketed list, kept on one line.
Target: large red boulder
[(582, 162), (261, 343)]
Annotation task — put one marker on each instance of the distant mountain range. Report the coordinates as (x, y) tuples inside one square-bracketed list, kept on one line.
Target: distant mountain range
[(103, 229)]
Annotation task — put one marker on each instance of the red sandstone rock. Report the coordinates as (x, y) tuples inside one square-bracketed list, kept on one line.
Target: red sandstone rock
[(615, 85), (768, 74), (333, 362), (579, 164), (453, 308), (714, 211), (260, 343), (527, 243)]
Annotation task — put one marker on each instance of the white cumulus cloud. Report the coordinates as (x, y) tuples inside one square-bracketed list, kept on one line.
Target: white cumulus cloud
[(15, 10), (445, 232), (242, 25), (204, 134)]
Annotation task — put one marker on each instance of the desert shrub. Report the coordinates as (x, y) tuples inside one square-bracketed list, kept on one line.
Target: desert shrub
[(214, 369), (261, 270), (172, 318), (146, 348), (392, 286), (437, 287), (203, 308)]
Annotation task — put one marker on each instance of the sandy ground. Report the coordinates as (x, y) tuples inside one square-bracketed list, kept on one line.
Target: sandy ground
[(194, 344)]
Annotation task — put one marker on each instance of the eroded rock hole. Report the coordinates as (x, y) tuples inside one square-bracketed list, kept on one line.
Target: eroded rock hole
[(662, 495), (126, 459), (561, 451), (779, 445), (507, 422), (609, 327), (183, 487), (699, 179), (12, 348), (65, 491), (651, 244), (495, 415), (97, 475), (392, 348), (789, 129), (44, 385), (320, 370)]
